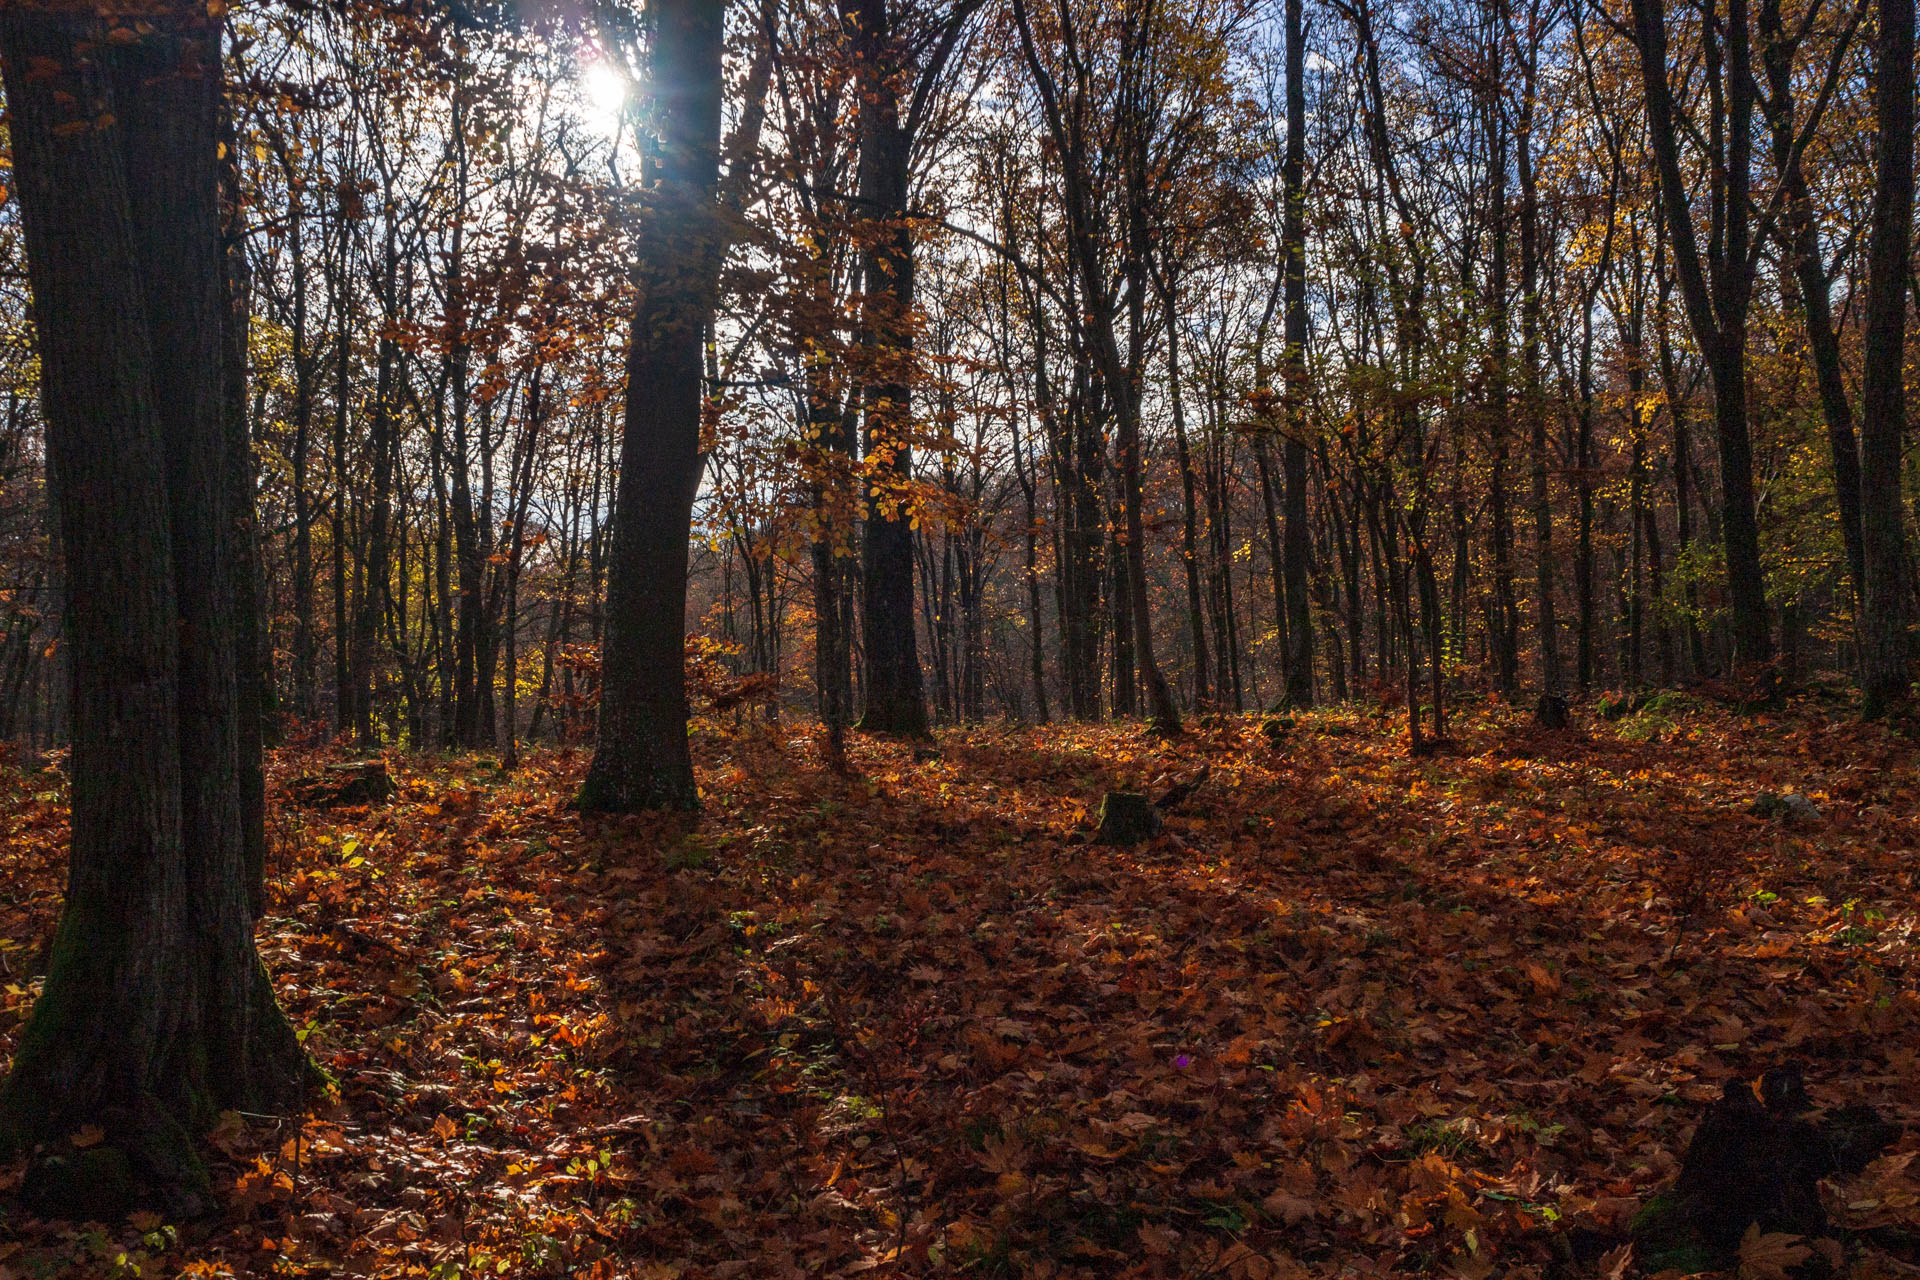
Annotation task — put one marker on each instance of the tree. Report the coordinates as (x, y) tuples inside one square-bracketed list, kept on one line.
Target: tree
[(1886, 608), (894, 59), (1136, 112), (157, 1013), (1717, 285), (641, 760), (1293, 252)]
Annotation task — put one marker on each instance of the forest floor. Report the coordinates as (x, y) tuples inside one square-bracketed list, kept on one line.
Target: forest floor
[(1352, 1013)]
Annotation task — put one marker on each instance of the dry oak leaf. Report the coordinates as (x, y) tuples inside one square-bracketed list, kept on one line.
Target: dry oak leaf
[(1158, 1240), (1769, 1256), (1289, 1208)]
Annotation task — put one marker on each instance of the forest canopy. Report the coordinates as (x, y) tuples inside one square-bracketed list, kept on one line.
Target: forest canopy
[(1488, 411)]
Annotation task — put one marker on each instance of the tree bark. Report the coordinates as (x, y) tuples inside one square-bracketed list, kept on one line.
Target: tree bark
[(1800, 239), (641, 759), (1099, 320), (1189, 528), (1505, 633), (1717, 290), (1887, 608), (896, 702), (1297, 553), (157, 1013), (253, 650)]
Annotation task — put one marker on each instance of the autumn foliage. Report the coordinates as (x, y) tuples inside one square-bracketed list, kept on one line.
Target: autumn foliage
[(1350, 1013)]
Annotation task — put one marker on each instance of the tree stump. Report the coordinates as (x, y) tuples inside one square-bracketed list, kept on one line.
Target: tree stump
[(1126, 817), (356, 782), (1755, 1160)]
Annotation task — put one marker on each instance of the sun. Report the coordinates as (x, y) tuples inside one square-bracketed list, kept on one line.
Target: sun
[(605, 90)]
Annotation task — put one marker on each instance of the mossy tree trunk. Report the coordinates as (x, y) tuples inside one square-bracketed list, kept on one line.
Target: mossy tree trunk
[(156, 1013)]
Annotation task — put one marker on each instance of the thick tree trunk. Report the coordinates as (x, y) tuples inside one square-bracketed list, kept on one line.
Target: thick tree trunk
[(1885, 647), (641, 759), (896, 702), (156, 1014)]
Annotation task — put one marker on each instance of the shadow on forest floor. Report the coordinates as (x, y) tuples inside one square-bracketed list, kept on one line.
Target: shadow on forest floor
[(1350, 1013)]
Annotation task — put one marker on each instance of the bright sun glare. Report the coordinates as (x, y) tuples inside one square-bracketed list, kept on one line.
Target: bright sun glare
[(606, 92)]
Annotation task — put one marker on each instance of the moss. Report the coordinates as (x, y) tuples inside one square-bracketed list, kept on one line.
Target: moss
[(82, 1066), (1666, 1234), (92, 1185), (661, 793)]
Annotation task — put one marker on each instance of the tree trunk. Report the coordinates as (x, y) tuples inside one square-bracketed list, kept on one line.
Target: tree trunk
[(383, 442), (157, 1013), (1505, 631), (895, 700), (1717, 291), (305, 661), (1100, 307), (1801, 241), (1886, 610), (641, 759), (253, 650), (1297, 553), (1533, 400), (343, 682), (1189, 528)]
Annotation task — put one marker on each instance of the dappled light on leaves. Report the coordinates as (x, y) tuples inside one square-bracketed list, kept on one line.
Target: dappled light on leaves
[(1456, 1015)]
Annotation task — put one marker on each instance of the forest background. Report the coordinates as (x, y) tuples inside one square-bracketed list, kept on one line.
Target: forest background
[(1511, 399), (1493, 447)]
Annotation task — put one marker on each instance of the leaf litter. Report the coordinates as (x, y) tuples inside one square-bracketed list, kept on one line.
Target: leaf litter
[(1348, 1014)]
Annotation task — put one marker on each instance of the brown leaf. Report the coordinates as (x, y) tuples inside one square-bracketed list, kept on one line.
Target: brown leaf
[(1158, 1240), (1769, 1256), (1289, 1208)]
